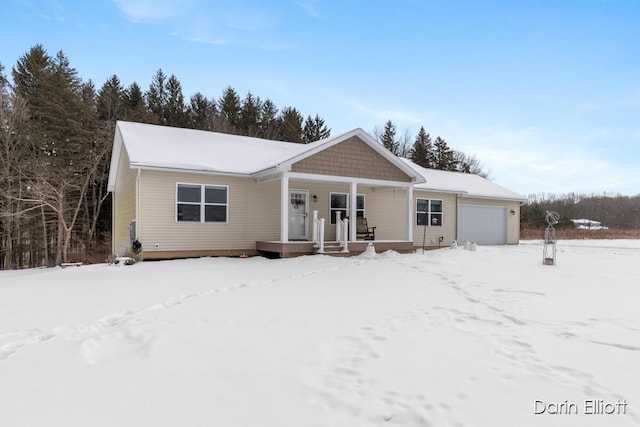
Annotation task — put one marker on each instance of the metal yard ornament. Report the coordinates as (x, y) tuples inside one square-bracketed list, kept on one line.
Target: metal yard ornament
[(549, 251)]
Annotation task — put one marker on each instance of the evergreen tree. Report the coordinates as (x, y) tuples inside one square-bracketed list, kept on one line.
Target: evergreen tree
[(443, 158), (249, 117), (315, 129), (59, 172), (174, 109), (136, 109), (157, 97), (388, 137), (229, 106), (290, 125), (422, 151), (201, 112), (269, 124), (111, 100)]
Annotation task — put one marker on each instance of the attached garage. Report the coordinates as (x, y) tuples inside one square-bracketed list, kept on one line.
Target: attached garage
[(469, 208), (485, 225)]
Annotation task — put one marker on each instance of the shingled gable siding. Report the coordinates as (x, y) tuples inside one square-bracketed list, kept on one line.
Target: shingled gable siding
[(125, 203), (351, 158)]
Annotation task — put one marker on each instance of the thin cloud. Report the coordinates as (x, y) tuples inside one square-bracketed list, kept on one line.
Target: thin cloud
[(218, 23), (309, 7), (152, 11)]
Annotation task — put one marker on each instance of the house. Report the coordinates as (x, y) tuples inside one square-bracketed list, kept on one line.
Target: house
[(184, 193), (588, 224)]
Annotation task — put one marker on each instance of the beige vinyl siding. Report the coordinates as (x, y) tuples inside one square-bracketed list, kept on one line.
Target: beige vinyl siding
[(253, 212), (124, 200), (513, 220), (385, 209), (448, 229), (352, 158)]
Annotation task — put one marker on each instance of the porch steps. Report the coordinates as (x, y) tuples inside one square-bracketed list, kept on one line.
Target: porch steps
[(333, 249)]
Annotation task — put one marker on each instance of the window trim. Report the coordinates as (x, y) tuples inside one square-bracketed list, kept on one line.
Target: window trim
[(348, 208), (203, 204), (429, 212)]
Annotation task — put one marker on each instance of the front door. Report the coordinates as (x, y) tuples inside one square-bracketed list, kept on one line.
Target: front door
[(298, 214)]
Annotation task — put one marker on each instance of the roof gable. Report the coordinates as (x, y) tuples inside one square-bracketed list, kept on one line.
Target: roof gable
[(354, 158)]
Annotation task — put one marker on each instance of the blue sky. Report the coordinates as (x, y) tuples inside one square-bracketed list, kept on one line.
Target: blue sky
[(545, 93)]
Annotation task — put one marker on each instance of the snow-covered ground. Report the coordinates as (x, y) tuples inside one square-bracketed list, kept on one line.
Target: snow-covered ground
[(444, 338)]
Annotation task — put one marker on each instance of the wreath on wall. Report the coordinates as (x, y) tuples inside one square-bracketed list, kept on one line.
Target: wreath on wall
[(297, 201)]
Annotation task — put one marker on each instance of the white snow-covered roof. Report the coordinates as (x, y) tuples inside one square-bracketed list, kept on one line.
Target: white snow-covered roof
[(177, 148), (467, 184), (169, 148)]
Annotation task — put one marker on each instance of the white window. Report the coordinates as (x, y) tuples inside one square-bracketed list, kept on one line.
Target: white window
[(429, 212), (340, 205), (201, 203)]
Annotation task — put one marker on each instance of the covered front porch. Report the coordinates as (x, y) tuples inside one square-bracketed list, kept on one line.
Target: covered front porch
[(315, 212)]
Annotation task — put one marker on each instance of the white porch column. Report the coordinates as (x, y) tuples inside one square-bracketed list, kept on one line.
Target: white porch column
[(353, 211), (284, 208), (410, 210)]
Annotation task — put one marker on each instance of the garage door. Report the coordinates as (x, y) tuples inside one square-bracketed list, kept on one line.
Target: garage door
[(485, 225)]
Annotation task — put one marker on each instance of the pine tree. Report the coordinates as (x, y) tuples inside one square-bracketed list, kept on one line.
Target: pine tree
[(315, 129), (290, 125), (174, 109), (443, 158), (229, 106), (136, 109), (269, 123), (157, 97), (249, 117), (201, 112), (422, 151), (59, 172), (111, 100), (388, 137)]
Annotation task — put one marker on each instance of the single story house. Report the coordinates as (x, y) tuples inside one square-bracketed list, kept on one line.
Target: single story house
[(185, 193)]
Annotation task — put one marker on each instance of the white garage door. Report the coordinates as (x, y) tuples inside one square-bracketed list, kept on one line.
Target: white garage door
[(485, 225)]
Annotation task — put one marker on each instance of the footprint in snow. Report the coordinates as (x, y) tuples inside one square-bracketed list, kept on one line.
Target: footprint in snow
[(122, 346)]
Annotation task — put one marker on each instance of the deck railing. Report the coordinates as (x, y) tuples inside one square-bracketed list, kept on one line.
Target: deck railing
[(342, 232), (318, 232)]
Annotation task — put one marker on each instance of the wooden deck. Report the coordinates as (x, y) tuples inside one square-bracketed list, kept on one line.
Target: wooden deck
[(277, 249)]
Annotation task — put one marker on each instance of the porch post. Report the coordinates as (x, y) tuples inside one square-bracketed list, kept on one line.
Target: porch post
[(284, 208), (410, 213), (353, 211)]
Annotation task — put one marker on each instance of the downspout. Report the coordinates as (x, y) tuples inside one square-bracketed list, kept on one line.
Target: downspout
[(410, 213), (458, 197), (137, 215), (113, 220)]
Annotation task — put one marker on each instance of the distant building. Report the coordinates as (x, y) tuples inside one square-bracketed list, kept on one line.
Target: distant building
[(588, 224)]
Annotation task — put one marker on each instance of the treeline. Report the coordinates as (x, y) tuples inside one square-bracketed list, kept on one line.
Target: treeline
[(613, 211), (430, 154), (56, 136)]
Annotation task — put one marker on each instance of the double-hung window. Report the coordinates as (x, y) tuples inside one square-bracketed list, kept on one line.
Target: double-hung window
[(340, 205), (201, 203), (429, 212)]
